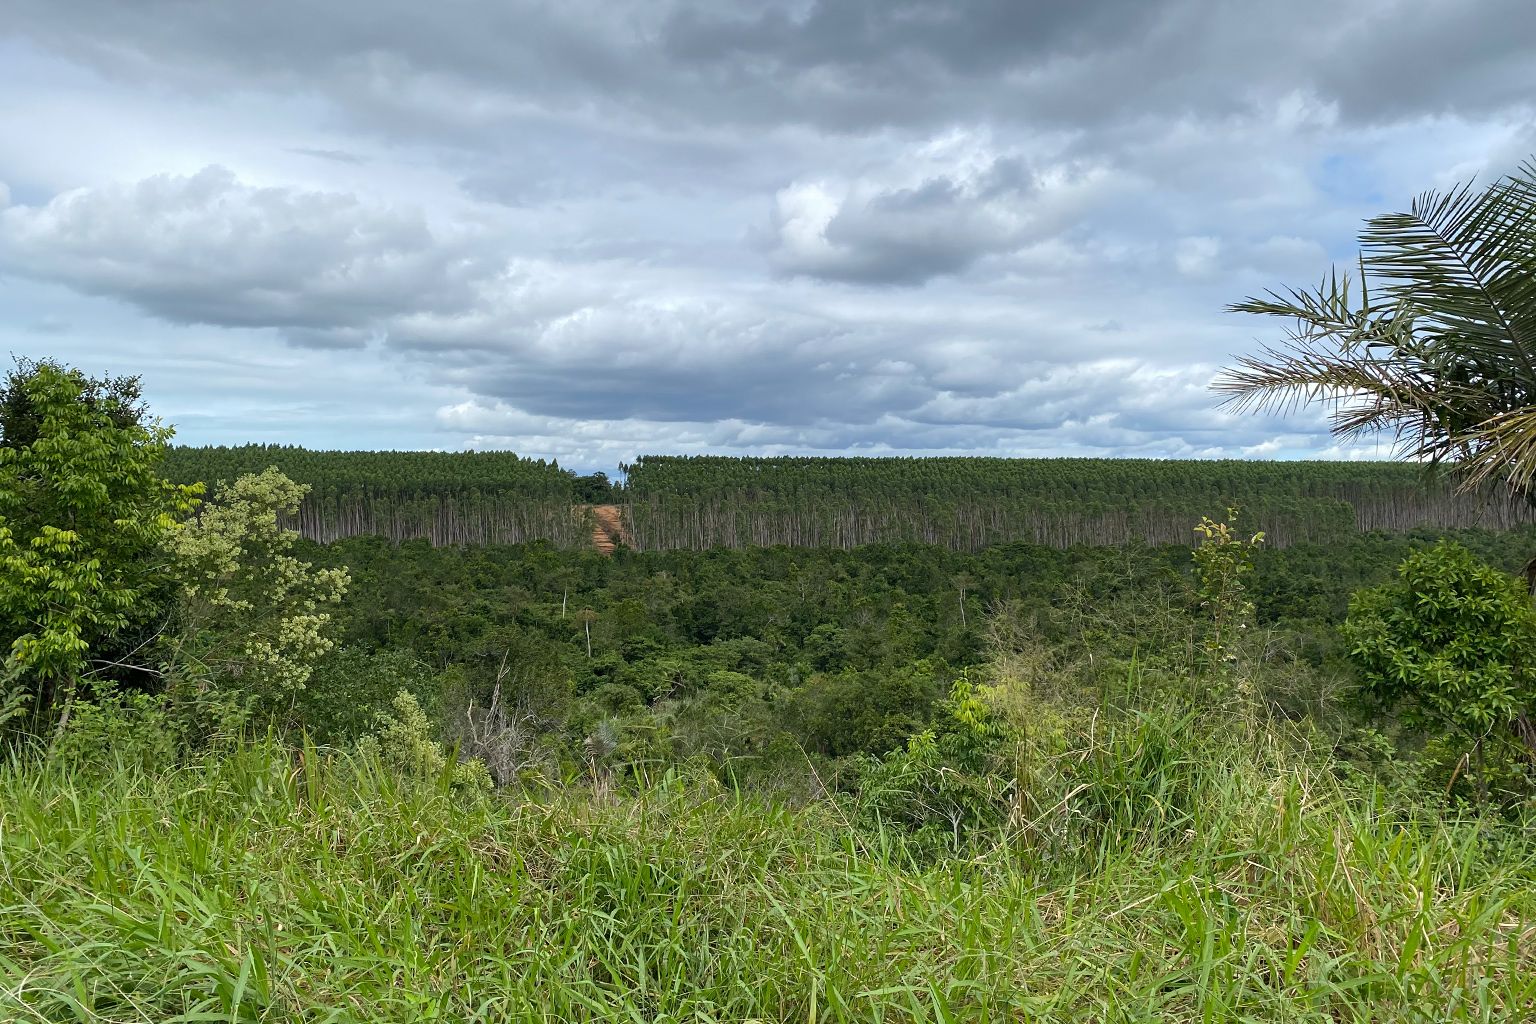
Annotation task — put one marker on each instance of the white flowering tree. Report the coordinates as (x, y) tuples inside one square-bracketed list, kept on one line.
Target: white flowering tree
[(253, 618)]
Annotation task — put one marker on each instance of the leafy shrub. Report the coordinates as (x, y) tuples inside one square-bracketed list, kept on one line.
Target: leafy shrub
[(1451, 647), (946, 783), (120, 728), (867, 712), (405, 745), (732, 689), (350, 686)]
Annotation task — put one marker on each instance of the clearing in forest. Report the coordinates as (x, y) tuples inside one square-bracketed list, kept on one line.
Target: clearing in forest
[(607, 528)]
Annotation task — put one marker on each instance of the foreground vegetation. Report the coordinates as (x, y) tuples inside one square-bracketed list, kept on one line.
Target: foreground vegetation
[(1224, 878), (984, 769)]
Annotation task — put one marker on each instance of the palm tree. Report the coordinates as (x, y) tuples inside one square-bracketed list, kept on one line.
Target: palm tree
[(1442, 356), (1435, 343)]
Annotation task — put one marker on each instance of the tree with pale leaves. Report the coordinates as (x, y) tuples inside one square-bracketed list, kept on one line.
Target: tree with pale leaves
[(252, 618)]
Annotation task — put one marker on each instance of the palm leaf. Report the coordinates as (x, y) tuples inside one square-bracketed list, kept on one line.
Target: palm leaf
[(1503, 447), (1466, 262), (1445, 359)]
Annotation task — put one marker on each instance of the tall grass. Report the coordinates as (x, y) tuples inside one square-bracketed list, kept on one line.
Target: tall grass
[(269, 884)]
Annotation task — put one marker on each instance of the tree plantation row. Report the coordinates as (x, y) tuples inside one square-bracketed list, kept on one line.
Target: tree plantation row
[(670, 502)]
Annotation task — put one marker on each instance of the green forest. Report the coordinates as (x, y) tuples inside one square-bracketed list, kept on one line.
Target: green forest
[(258, 773), (964, 504)]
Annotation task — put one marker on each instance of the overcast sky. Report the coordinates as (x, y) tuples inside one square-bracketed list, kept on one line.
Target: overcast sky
[(592, 229)]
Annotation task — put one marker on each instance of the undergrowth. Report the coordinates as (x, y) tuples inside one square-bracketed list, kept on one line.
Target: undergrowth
[(273, 884)]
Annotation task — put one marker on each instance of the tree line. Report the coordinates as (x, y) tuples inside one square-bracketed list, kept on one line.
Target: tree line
[(467, 497), (961, 503)]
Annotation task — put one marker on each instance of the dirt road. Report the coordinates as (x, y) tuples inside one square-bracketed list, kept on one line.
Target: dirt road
[(607, 528)]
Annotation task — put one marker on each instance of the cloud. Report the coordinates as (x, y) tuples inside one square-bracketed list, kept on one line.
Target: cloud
[(1125, 407), (1196, 254), (208, 249), (905, 234), (934, 210), (640, 344), (48, 325), (747, 225), (845, 65), (337, 155)]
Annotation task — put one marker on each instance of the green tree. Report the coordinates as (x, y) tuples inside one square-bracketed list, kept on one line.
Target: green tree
[(83, 514), (252, 619), (1451, 645), (1221, 561)]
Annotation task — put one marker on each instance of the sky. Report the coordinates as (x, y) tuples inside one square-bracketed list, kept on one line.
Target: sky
[(595, 229)]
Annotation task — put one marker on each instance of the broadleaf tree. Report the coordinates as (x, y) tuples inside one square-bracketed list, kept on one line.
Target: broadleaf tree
[(253, 619), (83, 517)]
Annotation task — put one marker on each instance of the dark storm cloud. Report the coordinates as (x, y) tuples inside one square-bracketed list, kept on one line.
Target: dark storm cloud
[(1452, 56), (847, 64), (867, 61), (963, 37)]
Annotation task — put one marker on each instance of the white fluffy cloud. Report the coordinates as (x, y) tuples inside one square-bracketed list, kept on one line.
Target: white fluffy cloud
[(902, 235), (323, 267)]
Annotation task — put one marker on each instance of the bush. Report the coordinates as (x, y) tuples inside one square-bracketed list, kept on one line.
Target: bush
[(405, 745), (119, 729), (1451, 647), (946, 784), (350, 686), (868, 712)]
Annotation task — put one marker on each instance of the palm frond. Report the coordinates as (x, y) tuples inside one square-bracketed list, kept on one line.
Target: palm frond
[(1503, 447), (1442, 353), (1466, 260), (1353, 356), (1369, 394), (1328, 311)]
